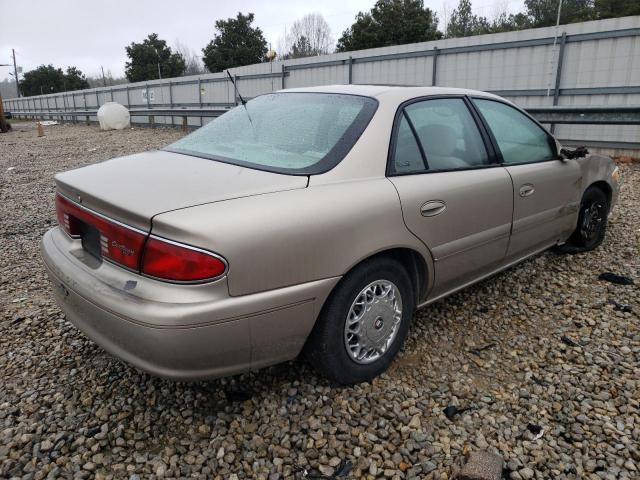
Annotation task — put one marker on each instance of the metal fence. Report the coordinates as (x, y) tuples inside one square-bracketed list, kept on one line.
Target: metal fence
[(577, 66)]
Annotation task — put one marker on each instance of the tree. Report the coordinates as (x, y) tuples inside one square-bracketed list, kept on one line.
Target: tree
[(193, 64), (109, 79), (48, 79), (391, 22), (74, 79), (236, 44), (544, 13), (464, 23), (309, 36), (302, 48), (505, 22), (44, 79), (153, 54), (616, 8)]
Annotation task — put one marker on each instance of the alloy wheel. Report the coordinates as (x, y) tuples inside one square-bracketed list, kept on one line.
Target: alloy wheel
[(592, 219)]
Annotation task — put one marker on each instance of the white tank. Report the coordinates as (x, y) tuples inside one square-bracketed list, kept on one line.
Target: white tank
[(113, 116)]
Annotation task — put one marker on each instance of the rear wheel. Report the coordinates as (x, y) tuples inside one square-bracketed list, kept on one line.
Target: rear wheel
[(592, 222), (363, 323)]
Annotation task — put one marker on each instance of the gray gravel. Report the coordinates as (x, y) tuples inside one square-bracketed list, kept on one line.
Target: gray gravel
[(67, 409)]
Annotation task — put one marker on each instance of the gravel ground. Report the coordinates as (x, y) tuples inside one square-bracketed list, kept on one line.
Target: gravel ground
[(541, 345)]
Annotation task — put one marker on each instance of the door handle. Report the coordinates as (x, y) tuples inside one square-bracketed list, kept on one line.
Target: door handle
[(433, 208), (526, 190)]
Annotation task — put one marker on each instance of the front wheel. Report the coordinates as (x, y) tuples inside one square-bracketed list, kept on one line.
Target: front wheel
[(363, 322), (592, 222)]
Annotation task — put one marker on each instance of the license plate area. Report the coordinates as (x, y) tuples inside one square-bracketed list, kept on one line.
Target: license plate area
[(90, 237)]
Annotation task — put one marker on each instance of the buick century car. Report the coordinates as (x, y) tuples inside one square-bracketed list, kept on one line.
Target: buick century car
[(313, 221)]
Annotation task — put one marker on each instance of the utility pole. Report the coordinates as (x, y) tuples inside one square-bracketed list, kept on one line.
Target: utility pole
[(15, 71), (158, 55), (559, 12), (104, 81), (555, 41)]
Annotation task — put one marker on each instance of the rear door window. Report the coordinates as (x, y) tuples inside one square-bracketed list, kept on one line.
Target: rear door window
[(407, 157), (447, 134)]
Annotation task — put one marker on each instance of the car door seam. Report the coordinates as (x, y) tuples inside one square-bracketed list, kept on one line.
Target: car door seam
[(513, 205), (404, 221)]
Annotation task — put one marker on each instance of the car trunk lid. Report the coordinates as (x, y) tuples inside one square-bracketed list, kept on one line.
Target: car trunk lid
[(134, 188)]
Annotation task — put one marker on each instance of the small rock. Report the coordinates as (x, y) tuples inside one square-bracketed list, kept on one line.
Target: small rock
[(415, 422), (526, 473), (326, 470), (482, 465), (46, 445)]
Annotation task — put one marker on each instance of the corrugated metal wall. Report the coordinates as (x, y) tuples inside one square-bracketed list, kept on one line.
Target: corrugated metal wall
[(599, 64)]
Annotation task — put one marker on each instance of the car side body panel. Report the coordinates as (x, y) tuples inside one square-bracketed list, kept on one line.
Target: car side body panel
[(546, 199), (469, 237), (291, 237), (553, 215)]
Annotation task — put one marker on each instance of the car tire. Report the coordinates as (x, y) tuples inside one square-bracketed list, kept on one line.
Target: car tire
[(592, 222), (363, 323)]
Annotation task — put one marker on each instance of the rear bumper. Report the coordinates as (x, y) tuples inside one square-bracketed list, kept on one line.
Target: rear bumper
[(178, 331)]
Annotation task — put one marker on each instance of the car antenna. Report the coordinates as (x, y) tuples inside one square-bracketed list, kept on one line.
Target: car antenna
[(242, 100)]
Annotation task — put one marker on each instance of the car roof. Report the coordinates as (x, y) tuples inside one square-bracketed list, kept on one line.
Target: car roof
[(398, 92)]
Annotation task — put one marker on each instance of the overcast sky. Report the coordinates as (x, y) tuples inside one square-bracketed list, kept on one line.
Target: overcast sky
[(91, 33)]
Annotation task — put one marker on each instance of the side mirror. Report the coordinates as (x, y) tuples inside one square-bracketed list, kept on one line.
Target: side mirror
[(578, 152)]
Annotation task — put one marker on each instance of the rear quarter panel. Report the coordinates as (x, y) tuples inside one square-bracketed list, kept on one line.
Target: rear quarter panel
[(287, 238)]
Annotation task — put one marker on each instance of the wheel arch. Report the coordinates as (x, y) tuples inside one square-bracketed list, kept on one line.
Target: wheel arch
[(410, 259), (605, 187), (417, 266)]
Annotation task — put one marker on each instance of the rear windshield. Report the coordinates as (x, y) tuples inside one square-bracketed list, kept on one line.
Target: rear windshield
[(294, 133)]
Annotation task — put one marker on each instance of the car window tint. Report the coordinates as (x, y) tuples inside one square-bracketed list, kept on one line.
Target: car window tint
[(407, 157), (345, 117), (448, 134), (519, 138)]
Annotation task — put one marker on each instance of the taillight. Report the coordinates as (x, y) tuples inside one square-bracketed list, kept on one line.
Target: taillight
[(161, 258), (119, 243), (66, 220), (180, 263)]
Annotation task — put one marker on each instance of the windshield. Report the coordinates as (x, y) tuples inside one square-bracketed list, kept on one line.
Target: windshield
[(294, 133)]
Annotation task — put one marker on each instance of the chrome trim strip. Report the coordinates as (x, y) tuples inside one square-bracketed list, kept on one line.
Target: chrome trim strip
[(104, 217), (148, 235), (72, 237)]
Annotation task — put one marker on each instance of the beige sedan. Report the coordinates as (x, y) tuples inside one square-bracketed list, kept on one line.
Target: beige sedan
[(313, 221)]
